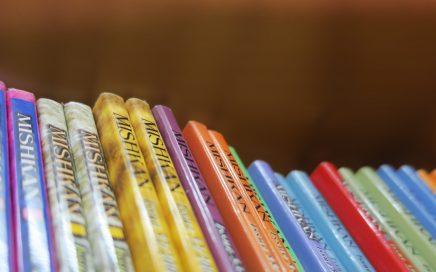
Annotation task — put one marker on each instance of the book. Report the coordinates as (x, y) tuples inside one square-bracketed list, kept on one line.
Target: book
[(267, 210), (6, 227), (211, 222), (382, 252), (386, 224), (417, 241), (246, 235), (68, 223), (148, 237), (409, 200), (186, 233), (326, 221), (427, 179), (261, 216), (105, 229), (34, 249), (432, 175), (306, 222), (416, 187), (296, 229)]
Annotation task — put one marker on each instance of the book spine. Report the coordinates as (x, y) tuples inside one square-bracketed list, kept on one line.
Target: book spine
[(181, 219), (271, 235), (309, 250), (149, 238), (417, 242), (33, 235), (306, 223), (6, 227), (418, 188), (382, 220), (105, 229), (210, 219), (232, 206), (432, 176), (326, 221), (69, 226), (382, 253), (391, 179), (267, 210)]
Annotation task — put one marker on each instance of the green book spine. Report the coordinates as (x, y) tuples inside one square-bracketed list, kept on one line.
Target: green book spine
[(408, 226), (383, 220)]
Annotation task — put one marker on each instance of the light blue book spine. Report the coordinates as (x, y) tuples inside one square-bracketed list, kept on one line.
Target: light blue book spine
[(325, 220), (395, 184), (290, 197)]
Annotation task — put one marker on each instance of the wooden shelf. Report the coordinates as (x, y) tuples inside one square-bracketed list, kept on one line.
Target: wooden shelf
[(290, 83)]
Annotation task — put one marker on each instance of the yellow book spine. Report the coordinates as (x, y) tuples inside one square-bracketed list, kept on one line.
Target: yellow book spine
[(180, 216), (146, 230)]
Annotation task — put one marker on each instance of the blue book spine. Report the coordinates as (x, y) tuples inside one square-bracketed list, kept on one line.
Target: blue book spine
[(418, 188), (298, 233), (306, 222), (325, 220), (33, 241), (397, 186), (6, 246)]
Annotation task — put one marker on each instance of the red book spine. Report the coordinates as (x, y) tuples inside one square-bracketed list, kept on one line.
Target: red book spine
[(382, 253)]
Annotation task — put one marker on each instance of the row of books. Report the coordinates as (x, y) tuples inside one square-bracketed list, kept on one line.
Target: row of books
[(121, 187)]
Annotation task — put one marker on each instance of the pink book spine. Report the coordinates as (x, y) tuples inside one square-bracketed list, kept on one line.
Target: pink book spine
[(6, 227)]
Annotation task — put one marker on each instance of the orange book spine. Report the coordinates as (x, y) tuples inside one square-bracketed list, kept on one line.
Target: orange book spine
[(428, 178), (261, 216), (237, 213)]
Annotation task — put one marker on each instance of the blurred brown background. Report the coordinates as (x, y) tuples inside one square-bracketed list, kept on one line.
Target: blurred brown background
[(291, 82)]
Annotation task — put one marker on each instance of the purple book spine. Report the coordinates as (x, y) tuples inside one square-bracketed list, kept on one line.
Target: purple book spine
[(211, 222)]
